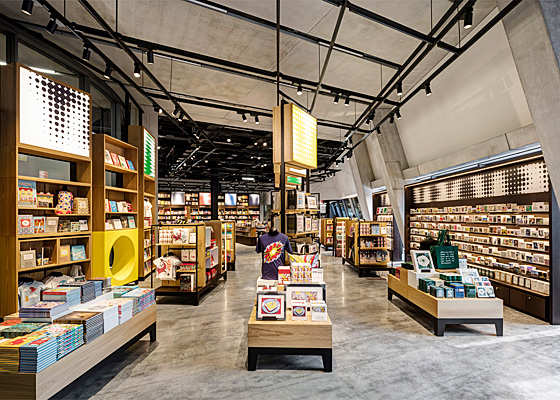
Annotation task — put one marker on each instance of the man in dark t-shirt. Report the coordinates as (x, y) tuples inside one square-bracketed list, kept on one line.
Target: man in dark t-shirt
[(272, 246)]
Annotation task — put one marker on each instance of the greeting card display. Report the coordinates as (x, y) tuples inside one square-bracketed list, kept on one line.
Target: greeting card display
[(307, 292), (422, 260), (108, 159), (271, 305), (299, 310)]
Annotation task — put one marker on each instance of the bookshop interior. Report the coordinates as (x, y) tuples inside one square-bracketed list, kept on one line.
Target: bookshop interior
[(184, 181)]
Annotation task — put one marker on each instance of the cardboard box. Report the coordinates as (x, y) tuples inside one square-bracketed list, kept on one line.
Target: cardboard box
[(459, 290)]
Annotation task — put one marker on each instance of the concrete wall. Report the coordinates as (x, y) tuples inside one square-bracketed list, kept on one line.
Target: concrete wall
[(337, 187)]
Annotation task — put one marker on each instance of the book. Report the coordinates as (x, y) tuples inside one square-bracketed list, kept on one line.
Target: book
[(83, 225), (25, 225), (107, 205), (39, 224), (108, 159), (131, 222), (115, 159), (27, 193), (64, 225), (117, 223), (124, 222), (64, 254), (123, 163), (121, 206), (27, 259), (130, 165), (51, 225), (75, 226), (113, 206), (108, 226), (78, 252)]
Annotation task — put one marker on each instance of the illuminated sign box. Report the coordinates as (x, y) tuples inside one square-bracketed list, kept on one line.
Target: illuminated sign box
[(300, 137)]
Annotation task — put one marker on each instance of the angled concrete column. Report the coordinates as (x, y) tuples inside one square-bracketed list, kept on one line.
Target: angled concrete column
[(362, 173)]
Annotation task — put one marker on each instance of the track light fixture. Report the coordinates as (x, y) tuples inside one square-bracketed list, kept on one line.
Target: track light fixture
[(398, 114), (244, 117), (391, 119), (206, 161), (349, 154), (370, 117), (52, 25), (265, 144), (299, 90), (378, 131), (181, 115), (27, 7), (336, 164), (256, 143), (468, 18), (336, 98), (107, 73), (257, 120), (150, 56), (428, 89), (228, 140), (342, 160), (347, 102), (176, 111), (399, 89), (86, 53), (136, 71)]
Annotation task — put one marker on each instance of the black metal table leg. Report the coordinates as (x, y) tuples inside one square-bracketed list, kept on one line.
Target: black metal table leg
[(153, 332), (439, 327), (327, 360), (252, 358), (499, 327)]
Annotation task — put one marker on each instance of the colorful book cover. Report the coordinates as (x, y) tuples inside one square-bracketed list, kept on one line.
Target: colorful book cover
[(107, 205), (39, 224), (131, 222), (51, 225), (124, 222), (130, 165), (116, 223), (25, 225), (65, 254), (75, 226), (83, 225), (123, 162), (115, 159), (64, 225), (78, 253), (108, 157), (27, 193), (113, 206)]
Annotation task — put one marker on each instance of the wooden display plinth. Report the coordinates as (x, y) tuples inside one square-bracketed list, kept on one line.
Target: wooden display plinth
[(48, 382), (448, 311), (247, 240), (289, 338)]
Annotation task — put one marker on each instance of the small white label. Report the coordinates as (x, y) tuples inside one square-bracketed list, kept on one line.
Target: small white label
[(27, 257), (51, 222)]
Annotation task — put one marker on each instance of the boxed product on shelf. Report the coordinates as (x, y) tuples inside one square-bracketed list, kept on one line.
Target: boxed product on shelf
[(45, 200), (81, 205)]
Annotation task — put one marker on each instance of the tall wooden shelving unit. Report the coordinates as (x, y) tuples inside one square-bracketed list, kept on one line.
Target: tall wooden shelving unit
[(115, 183), (327, 233), (384, 213), (147, 190), (19, 106), (339, 226), (229, 240), (369, 240)]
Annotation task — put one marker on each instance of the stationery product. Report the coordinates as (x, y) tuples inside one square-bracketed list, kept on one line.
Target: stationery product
[(108, 159), (51, 225), (68, 337), (299, 310), (71, 295), (125, 307), (38, 224), (27, 193), (113, 205), (64, 254), (110, 313), (83, 225), (107, 206), (115, 159), (124, 222), (75, 226), (186, 283), (25, 225), (122, 162), (64, 225), (27, 259), (64, 204), (21, 329), (271, 305), (92, 323), (422, 260), (38, 354), (87, 287), (319, 311), (45, 200), (116, 223), (81, 205), (131, 222), (130, 165), (78, 253), (143, 298)]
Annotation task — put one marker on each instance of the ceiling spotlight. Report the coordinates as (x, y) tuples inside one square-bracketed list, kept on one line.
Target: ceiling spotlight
[(391, 119), (336, 164), (468, 18), (107, 73), (228, 140), (399, 89), (150, 56), (299, 90), (27, 7), (176, 111), (265, 144), (52, 25), (258, 158), (181, 115), (136, 71), (428, 89), (336, 98), (86, 53), (257, 120), (398, 114), (264, 165), (256, 143), (349, 154), (347, 102), (160, 111), (378, 131), (244, 118), (206, 161)]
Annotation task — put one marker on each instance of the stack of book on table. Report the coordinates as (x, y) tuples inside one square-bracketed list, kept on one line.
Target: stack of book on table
[(71, 295), (91, 321)]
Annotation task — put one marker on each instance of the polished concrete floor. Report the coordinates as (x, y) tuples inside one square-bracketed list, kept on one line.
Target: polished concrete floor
[(382, 350)]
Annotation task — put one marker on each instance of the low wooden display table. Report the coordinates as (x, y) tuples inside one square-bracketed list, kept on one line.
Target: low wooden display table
[(289, 338), (448, 311), (51, 380)]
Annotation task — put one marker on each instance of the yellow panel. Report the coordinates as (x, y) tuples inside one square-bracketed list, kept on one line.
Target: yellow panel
[(304, 132), (125, 258)]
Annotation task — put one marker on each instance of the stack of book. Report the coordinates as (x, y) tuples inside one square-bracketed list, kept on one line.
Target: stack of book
[(9, 323), (118, 291), (125, 308), (68, 337), (88, 289), (105, 282), (9, 352), (110, 314), (21, 329), (91, 321), (71, 295), (98, 287), (37, 355), (44, 311), (143, 298)]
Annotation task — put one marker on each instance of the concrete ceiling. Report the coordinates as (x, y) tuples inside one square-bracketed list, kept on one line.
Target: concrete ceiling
[(194, 28)]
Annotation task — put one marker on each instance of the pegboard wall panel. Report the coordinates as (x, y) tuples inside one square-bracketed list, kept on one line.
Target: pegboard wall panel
[(52, 115), (528, 178)]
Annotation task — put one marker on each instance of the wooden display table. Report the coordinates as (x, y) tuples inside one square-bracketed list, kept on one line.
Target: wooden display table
[(448, 311), (289, 338), (51, 380)]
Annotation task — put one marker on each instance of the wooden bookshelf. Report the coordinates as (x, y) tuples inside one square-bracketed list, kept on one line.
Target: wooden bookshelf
[(327, 233), (229, 238), (62, 166), (366, 248), (146, 144)]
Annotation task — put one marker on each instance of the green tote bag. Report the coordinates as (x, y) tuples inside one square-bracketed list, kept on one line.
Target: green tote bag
[(445, 255)]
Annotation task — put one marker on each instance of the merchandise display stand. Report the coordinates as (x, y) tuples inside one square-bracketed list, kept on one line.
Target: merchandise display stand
[(53, 379), (384, 213), (206, 258), (147, 187), (24, 160), (228, 246), (327, 237), (448, 311), (339, 248), (368, 251), (246, 233), (112, 183), (289, 338)]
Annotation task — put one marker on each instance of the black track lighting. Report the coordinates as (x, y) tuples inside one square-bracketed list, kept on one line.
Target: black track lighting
[(349, 154), (378, 131), (398, 114), (342, 160), (176, 111), (158, 110), (391, 119), (136, 71), (428, 89), (27, 7), (399, 89), (336, 98), (468, 18), (107, 73), (244, 117), (257, 120), (347, 102), (336, 164), (370, 117), (228, 140), (299, 90), (181, 115), (150, 56), (86, 53), (52, 25)]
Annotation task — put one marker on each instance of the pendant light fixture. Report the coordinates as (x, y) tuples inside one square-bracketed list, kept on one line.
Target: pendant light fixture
[(468, 18)]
